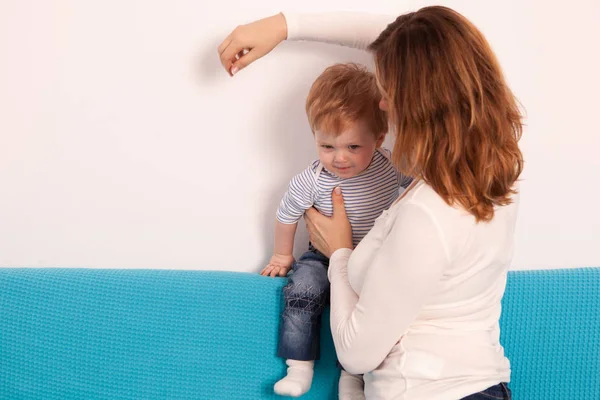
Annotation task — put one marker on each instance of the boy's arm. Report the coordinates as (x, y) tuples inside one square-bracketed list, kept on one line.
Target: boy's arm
[(299, 197), (284, 238), (282, 258)]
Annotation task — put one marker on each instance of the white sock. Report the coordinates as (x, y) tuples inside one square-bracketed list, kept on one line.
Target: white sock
[(298, 379), (351, 387)]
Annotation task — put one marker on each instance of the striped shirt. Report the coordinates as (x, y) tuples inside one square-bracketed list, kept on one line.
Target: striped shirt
[(365, 195)]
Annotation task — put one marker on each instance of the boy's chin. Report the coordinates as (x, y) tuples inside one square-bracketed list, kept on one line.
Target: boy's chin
[(346, 174)]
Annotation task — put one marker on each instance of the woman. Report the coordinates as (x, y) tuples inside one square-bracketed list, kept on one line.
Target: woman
[(415, 306)]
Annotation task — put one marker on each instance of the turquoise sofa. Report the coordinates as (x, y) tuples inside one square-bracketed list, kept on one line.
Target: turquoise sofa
[(169, 334)]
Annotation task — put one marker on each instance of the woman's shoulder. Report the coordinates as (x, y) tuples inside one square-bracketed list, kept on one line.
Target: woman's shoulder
[(451, 220), (422, 209), (454, 223), (424, 195), (420, 198)]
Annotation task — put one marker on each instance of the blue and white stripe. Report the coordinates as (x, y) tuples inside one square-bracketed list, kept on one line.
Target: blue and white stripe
[(365, 195)]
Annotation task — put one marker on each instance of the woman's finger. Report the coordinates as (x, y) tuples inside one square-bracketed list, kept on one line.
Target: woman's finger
[(339, 210), (309, 229), (224, 44), (311, 214), (227, 56), (308, 219), (246, 59)]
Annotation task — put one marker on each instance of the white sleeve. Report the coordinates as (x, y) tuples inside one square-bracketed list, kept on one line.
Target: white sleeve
[(299, 197), (400, 280), (351, 29)]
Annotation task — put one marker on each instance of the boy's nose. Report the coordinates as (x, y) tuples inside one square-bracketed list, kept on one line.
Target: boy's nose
[(340, 158)]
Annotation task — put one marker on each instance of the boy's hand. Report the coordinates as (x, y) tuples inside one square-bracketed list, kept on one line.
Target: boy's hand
[(279, 265)]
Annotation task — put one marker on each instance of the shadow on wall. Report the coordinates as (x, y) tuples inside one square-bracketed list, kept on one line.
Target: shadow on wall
[(207, 65), (293, 148), (288, 140)]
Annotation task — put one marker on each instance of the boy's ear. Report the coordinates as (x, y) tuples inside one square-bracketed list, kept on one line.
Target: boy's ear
[(380, 140)]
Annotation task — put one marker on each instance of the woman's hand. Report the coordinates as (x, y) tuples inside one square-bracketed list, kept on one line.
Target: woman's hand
[(330, 234), (247, 43)]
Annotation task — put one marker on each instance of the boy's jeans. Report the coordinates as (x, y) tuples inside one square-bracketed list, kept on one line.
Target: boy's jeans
[(306, 295)]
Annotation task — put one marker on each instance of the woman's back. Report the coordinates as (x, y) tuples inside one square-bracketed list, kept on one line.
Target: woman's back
[(451, 346)]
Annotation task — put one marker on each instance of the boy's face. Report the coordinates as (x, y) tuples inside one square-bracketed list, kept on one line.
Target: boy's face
[(349, 153)]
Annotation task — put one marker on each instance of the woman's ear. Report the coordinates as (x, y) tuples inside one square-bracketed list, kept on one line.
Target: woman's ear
[(383, 105)]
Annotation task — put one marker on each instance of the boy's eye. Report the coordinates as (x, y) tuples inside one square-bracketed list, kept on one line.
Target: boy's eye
[(354, 147), (326, 146)]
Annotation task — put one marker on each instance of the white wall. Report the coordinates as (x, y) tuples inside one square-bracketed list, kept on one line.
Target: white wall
[(124, 145)]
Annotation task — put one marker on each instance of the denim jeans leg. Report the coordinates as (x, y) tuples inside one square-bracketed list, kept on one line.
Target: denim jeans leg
[(496, 392), (306, 296)]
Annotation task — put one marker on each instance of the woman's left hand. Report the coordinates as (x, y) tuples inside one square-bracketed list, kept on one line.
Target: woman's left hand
[(330, 234)]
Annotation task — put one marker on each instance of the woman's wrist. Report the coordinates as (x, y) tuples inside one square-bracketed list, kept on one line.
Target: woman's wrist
[(338, 262), (289, 26), (341, 253)]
